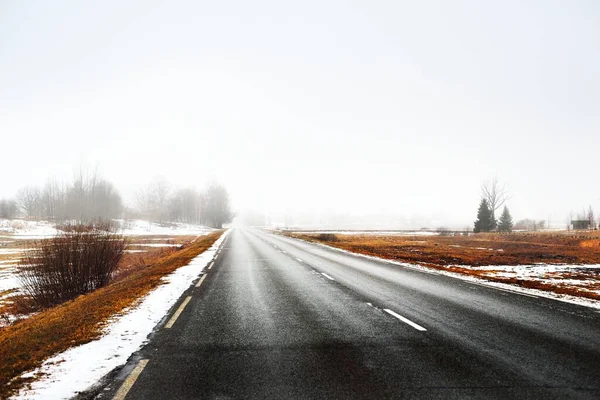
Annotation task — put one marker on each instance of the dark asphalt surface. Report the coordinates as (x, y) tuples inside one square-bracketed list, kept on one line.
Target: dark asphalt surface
[(267, 324)]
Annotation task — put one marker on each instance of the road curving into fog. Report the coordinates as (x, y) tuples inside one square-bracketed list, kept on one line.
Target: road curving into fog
[(279, 318)]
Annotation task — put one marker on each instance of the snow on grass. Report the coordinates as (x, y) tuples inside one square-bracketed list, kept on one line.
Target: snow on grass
[(8, 271), (541, 269), (22, 229), (474, 248), (76, 369), (8, 278), (143, 228)]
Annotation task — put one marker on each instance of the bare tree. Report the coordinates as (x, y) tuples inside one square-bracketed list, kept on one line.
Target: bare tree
[(143, 202), (185, 205), (153, 200), (29, 200), (217, 210), (8, 209), (591, 217), (160, 190), (541, 224), (569, 220), (495, 193), (53, 200), (90, 197)]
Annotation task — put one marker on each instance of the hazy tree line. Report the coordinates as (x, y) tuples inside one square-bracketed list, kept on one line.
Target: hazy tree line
[(90, 197), (8, 209), (160, 202)]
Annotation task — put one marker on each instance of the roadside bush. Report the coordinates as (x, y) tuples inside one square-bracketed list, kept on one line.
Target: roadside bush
[(328, 237), (78, 261), (98, 225), (443, 231)]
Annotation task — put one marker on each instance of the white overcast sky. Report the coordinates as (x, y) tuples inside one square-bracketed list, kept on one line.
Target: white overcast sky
[(390, 106)]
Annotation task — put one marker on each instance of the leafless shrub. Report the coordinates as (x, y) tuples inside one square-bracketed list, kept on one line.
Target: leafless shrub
[(76, 262), (100, 225), (495, 193), (443, 231), (328, 237)]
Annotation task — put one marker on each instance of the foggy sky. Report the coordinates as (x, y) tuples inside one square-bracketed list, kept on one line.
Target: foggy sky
[(400, 107)]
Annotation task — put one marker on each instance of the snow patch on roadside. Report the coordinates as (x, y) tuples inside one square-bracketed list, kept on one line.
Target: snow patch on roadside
[(76, 369)]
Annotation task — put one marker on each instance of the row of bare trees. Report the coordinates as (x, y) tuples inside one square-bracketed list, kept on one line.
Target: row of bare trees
[(529, 225), (88, 197), (160, 202)]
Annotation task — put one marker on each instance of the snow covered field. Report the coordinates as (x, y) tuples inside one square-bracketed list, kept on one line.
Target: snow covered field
[(15, 234), (143, 228), (8, 280), (22, 229)]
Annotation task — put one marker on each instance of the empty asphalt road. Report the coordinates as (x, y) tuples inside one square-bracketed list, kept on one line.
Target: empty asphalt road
[(278, 318)]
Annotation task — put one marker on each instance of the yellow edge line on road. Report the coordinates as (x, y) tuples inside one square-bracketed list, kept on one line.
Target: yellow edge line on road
[(126, 386), (200, 281), (178, 312)]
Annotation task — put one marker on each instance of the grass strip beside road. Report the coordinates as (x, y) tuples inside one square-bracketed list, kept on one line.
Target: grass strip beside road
[(25, 345)]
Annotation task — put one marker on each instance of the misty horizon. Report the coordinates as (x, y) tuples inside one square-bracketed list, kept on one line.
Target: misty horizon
[(384, 116)]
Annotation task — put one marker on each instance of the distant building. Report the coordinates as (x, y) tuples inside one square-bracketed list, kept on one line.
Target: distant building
[(580, 224)]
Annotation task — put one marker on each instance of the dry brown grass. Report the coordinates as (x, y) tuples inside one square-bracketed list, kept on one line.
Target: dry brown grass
[(475, 250), (26, 344)]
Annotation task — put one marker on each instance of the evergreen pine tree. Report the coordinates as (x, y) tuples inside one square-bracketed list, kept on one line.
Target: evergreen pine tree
[(485, 220), (505, 224)]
